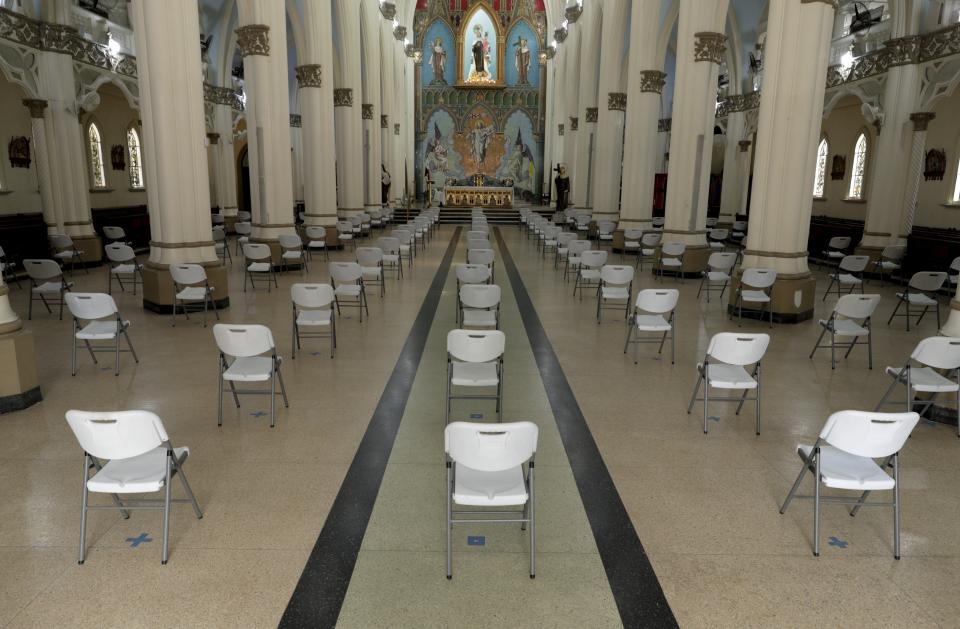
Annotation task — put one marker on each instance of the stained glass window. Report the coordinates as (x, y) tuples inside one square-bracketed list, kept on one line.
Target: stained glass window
[(821, 175), (859, 166), (133, 148), (96, 157)]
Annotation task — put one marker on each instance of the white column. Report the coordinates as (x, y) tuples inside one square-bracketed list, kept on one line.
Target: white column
[(370, 112), (262, 39), (384, 122), (571, 100), (581, 192), (346, 101), (736, 166), (788, 131), (41, 154), (701, 45), (226, 168), (920, 120), (296, 157), (315, 81), (547, 74), (609, 138)]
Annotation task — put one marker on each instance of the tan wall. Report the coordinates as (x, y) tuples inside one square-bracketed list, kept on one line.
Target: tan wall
[(943, 133), (113, 117), (21, 183), (841, 128)]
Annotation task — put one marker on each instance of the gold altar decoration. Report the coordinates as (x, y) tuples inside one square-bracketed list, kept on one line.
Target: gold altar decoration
[(478, 196)]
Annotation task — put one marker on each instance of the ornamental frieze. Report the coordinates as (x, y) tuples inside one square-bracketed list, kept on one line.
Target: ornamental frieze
[(709, 46), (738, 102), (574, 123), (903, 50), (940, 43), (461, 100), (652, 80), (309, 75), (343, 97), (222, 96), (617, 101), (253, 39), (592, 114), (366, 111)]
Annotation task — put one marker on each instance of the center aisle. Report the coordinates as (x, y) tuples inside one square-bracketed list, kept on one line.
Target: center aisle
[(400, 571)]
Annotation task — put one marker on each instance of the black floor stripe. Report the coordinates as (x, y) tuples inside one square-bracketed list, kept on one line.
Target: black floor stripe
[(318, 597), (635, 587)]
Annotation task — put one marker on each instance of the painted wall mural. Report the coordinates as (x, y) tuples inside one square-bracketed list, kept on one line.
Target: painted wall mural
[(480, 94)]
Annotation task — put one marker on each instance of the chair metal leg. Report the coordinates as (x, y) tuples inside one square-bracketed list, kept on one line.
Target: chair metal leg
[(166, 510), (896, 506), (533, 520), (283, 389), (816, 502), (83, 510), (706, 401), (449, 521), (273, 397), (816, 345), (696, 389)]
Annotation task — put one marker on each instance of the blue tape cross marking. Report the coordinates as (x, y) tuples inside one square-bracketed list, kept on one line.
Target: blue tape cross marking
[(476, 540), (839, 543), (476, 415), (257, 414), (714, 418), (139, 539)]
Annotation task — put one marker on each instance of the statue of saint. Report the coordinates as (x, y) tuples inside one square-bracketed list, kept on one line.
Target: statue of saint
[(522, 60), (438, 61), (479, 141), (562, 182), (479, 67)]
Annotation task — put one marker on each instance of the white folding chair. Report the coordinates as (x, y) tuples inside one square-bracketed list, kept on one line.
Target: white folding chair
[(316, 240), (938, 360), (370, 260), (671, 259), (719, 266), (482, 256), (848, 275), (711, 222), (243, 215), (96, 318), (575, 249), (259, 262), (131, 453), (755, 287), (123, 264), (476, 233), (605, 232), (485, 469), (220, 244), (648, 248), (115, 234), (724, 367), (65, 250), (346, 278), (475, 360), (616, 283), (843, 456), (345, 233), (657, 222), (292, 252), (480, 306), (954, 271), (563, 242), (920, 291), (588, 270), (889, 261), (653, 314), (836, 248), (717, 238), (190, 287), (478, 243), (631, 242), (356, 226), (470, 274), (313, 313), (241, 360), (48, 284), (243, 230), (407, 244), (216, 219), (390, 248), (850, 319)]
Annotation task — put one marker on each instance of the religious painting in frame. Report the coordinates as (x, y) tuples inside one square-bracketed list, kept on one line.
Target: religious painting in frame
[(480, 47)]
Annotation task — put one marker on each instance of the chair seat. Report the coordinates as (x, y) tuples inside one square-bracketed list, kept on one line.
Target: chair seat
[(249, 369), (651, 323), (842, 470), (648, 252), (717, 276), (346, 236), (549, 243), (834, 255), (371, 271), (123, 269), (845, 327), (391, 258), (918, 298), (404, 248), (219, 245), (716, 245), (926, 380), (69, 253), (50, 288), (631, 244), (317, 244), (590, 274), (723, 376), (100, 330), (314, 317), (886, 265), (479, 317), (675, 262), (347, 290), (846, 278), (614, 292), (755, 296), (606, 236), (139, 474), (243, 240), (292, 255), (474, 375), (191, 293), (489, 489), (259, 267)]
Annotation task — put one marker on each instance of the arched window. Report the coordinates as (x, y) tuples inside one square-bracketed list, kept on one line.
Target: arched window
[(133, 148), (820, 176), (95, 148), (859, 166)]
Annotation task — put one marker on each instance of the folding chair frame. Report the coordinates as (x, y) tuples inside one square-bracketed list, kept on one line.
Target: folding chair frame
[(451, 397), (115, 350), (829, 326), (706, 399), (275, 375), (631, 328)]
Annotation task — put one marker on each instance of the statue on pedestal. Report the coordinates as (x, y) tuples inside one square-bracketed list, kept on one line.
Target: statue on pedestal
[(562, 182)]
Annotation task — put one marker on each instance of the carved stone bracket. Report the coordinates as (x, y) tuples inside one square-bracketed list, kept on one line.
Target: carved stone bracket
[(664, 125), (574, 123), (400, 32), (709, 46), (559, 129), (384, 122), (36, 106), (617, 101), (592, 114), (396, 128), (921, 119), (343, 97), (309, 75), (652, 81), (744, 145), (560, 34), (573, 12), (388, 9), (253, 39), (366, 111), (214, 138), (550, 52), (296, 120)]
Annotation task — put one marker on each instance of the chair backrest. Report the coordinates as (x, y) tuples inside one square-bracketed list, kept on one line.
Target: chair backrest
[(472, 273), (243, 215), (564, 238), (606, 227), (894, 253), (42, 269), (480, 256), (928, 281), (114, 435), (256, 251), (632, 234), (869, 434), (577, 247), (658, 221), (216, 219), (955, 265), (839, 242), (651, 239), (593, 258), (491, 447), (113, 233), (478, 243), (673, 249), (475, 346), (117, 252), (739, 226), (355, 221), (344, 227), (758, 278), (2, 254), (854, 264), (311, 295), (243, 228), (403, 235), (90, 306), (711, 222), (480, 295), (315, 232), (616, 274), (187, 274), (389, 244), (857, 306), (61, 241), (343, 272), (369, 256), (218, 234), (721, 261), (718, 234), (738, 349), (476, 233), (657, 300), (290, 241), (243, 340), (939, 352)]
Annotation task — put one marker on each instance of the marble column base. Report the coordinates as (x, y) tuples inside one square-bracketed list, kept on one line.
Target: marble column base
[(19, 385), (158, 287), (793, 300)]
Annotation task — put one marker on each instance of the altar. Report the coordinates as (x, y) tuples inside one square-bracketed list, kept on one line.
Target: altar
[(478, 196)]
